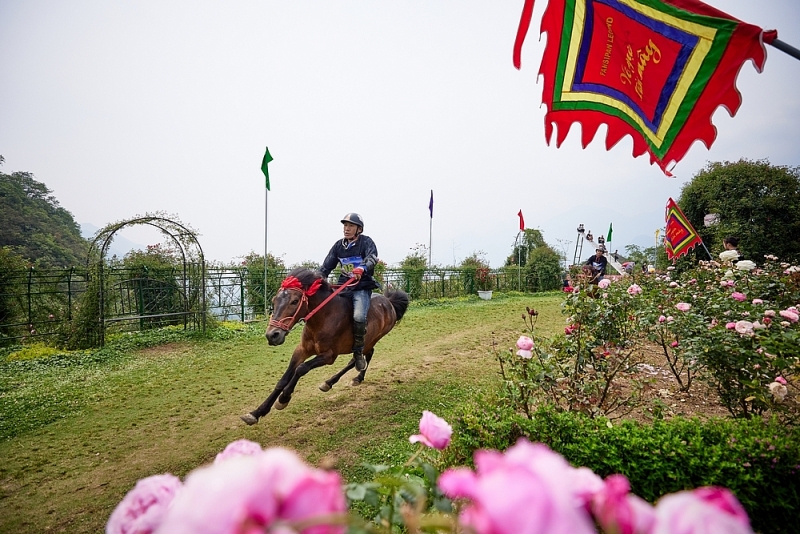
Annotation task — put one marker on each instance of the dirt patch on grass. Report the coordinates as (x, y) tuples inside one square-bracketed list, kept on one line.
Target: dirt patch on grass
[(662, 396)]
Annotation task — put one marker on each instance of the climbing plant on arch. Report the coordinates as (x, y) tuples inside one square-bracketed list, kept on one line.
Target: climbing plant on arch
[(107, 286)]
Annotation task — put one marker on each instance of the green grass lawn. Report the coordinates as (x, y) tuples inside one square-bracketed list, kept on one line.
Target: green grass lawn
[(77, 432)]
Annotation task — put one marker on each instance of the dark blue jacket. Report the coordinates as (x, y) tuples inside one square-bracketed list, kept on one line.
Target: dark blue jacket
[(359, 253)]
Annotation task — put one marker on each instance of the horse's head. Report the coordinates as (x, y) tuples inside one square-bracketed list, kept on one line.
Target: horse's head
[(290, 303)]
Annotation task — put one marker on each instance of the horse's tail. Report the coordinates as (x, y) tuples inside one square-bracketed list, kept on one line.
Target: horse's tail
[(399, 300)]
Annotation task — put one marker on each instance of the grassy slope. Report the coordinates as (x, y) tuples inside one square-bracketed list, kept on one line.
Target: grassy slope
[(172, 408)]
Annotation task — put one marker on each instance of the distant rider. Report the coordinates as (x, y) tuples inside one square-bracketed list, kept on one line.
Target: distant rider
[(358, 256)]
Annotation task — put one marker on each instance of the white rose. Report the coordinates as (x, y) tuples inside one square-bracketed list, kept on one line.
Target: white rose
[(745, 265), (729, 255)]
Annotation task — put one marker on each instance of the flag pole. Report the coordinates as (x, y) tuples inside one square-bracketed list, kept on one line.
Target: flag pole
[(785, 48), (266, 200), (430, 241), (430, 229), (265, 170)]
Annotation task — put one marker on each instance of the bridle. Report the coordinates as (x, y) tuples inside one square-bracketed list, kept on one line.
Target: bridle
[(290, 283)]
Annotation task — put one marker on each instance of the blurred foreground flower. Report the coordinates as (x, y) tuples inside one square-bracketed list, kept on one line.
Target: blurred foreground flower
[(434, 431), (634, 289), (143, 508)]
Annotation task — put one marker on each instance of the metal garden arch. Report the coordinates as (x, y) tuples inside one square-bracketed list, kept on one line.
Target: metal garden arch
[(192, 281)]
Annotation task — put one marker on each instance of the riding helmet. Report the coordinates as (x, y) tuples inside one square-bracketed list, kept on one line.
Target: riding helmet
[(354, 218)]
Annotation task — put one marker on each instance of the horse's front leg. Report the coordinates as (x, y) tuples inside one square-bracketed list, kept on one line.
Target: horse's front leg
[(298, 357), (317, 361)]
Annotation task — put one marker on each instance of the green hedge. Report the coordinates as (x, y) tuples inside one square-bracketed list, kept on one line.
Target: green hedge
[(758, 460)]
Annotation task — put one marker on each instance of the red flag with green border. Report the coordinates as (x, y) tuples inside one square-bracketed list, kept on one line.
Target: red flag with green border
[(654, 69), (680, 236)]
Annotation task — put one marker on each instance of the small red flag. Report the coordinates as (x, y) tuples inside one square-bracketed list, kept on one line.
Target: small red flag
[(521, 221), (680, 236)]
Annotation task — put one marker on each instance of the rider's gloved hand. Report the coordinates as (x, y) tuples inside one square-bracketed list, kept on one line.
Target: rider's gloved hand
[(357, 272)]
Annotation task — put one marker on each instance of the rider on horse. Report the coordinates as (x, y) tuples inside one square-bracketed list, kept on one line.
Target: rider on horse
[(358, 256)]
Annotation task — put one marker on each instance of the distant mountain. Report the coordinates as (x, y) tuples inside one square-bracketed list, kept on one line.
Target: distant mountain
[(119, 247)]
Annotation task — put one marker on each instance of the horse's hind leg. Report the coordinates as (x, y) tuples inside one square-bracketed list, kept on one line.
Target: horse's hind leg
[(328, 384), (360, 377)]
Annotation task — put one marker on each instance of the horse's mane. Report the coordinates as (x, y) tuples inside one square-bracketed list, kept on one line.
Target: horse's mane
[(308, 277)]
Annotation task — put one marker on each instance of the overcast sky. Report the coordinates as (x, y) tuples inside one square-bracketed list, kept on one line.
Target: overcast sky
[(123, 108)]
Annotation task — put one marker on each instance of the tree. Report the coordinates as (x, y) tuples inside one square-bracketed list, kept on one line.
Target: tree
[(755, 201), (34, 224), (531, 239)]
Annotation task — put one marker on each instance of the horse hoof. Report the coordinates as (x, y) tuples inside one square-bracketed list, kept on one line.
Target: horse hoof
[(355, 382), (281, 405), (324, 387), (249, 418)]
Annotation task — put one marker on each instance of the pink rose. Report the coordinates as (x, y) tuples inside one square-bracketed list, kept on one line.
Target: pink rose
[(730, 326), (142, 510), (617, 510), (756, 302), (241, 447), (780, 380), (634, 289), (569, 330), (434, 431), (524, 491), (673, 344), (683, 306), (661, 318), (673, 284), (604, 283), (738, 296), (789, 314), (703, 510), (670, 318), (769, 313), (249, 494), (744, 327), (524, 344)]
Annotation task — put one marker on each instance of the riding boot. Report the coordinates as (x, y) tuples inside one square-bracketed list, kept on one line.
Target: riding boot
[(359, 330)]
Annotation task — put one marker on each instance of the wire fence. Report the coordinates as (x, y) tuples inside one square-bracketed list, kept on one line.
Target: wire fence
[(36, 303)]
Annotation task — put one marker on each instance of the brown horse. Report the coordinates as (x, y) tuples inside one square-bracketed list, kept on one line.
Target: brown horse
[(328, 331)]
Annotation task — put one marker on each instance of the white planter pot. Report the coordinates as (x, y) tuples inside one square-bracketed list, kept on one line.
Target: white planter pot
[(485, 295)]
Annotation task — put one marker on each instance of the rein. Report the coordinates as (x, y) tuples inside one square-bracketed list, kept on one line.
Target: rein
[(293, 284)]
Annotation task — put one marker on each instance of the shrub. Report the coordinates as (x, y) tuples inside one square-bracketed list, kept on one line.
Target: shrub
[(758, 460)]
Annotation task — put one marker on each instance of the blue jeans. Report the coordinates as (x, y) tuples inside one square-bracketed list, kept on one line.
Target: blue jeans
[(361, 299)]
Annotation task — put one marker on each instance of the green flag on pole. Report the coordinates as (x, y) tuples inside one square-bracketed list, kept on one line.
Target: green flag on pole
[(610, 228), (264, 162)]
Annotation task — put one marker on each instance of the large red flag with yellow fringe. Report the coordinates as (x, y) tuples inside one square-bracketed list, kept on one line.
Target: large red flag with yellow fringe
[(654, 69)]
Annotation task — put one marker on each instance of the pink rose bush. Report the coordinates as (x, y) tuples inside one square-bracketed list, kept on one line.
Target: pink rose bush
[(434, 431), (244, 492), (530, 489), (741, 297)]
